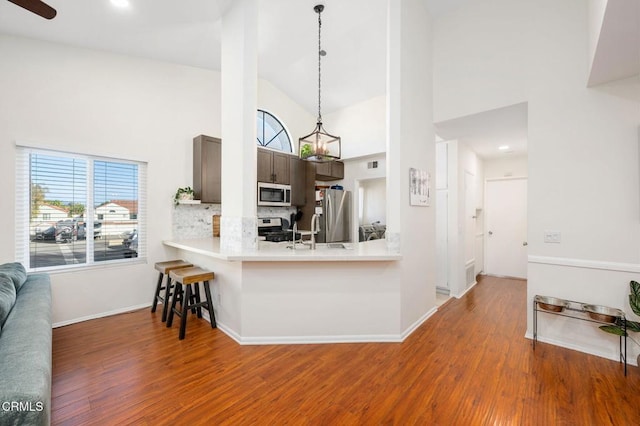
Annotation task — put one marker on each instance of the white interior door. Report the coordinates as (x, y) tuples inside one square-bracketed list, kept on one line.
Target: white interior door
[(506, 224)]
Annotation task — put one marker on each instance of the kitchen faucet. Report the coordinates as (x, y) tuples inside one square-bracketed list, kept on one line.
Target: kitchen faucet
[(315, 227), (294, 230)]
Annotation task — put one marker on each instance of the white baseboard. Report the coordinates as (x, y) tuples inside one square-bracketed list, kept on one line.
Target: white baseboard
[(458, 296), (584, 349), (305, 340), (276, 340), (101, 315), (418, 323)]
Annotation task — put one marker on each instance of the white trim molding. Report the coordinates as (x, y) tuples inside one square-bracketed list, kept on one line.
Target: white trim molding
[(584, 263), (607, 354), (102, 315), (302, 340)]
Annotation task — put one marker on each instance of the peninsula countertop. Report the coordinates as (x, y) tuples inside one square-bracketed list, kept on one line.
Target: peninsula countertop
[(278, 252)]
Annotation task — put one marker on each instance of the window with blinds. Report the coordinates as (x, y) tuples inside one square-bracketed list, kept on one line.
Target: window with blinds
[(77, 210)]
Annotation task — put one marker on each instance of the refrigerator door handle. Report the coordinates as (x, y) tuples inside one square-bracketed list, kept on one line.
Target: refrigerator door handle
[(329, 214)]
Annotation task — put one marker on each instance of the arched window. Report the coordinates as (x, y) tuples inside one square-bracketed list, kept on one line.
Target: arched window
[(271, 133)]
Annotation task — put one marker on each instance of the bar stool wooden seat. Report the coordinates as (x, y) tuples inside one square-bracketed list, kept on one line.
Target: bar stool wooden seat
[(183, 279), (164, 268)]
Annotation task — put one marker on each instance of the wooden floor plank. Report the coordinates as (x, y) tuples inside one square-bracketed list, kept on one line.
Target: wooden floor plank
[(468, 364)]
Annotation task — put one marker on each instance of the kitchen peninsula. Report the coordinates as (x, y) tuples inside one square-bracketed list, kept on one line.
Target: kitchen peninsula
[(277, 295), (280, 252)]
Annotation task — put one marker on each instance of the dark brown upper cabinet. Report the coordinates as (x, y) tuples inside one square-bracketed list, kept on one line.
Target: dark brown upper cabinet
[(207, 163), (298, 170), (273, 167), (333, 170)]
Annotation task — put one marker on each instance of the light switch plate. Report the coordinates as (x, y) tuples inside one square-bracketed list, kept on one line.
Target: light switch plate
[(552, 237)]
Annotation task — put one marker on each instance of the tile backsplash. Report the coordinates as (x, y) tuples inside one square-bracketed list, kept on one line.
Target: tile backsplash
[(195, 220), (283, 212)]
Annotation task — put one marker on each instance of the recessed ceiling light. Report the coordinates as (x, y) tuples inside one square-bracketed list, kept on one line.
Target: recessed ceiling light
[(503, 147), (122, 4)]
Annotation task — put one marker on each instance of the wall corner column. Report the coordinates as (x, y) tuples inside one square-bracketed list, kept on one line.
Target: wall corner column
[(239, 82)]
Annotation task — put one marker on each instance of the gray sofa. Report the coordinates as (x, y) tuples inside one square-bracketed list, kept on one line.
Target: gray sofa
[(25, 347)]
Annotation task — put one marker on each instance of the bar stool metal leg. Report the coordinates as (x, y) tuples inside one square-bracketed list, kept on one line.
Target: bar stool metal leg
[(177, 294), (185, 310), (198, 300), (155, 296), (207, 292), (167, 297)]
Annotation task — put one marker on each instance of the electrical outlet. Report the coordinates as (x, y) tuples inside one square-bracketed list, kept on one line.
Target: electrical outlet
[(552, 237)]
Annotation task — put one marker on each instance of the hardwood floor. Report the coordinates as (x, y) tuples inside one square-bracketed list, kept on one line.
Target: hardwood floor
[(469, 364)]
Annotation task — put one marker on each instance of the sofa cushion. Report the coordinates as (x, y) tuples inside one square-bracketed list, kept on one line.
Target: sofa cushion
[(16, 272), (7, 298)]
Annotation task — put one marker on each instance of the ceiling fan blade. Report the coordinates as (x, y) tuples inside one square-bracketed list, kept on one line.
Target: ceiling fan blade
[(38, 7)]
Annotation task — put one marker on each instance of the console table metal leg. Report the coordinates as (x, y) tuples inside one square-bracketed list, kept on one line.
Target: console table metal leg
[(535, 324)]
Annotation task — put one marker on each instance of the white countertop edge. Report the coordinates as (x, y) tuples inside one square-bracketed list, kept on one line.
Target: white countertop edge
[(184, 245), (210, 247)]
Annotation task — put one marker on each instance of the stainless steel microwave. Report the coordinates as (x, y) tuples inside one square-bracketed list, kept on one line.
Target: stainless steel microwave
[(273, 194)]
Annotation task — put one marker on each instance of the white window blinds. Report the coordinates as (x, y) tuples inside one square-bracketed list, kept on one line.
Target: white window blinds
[(76, 210)]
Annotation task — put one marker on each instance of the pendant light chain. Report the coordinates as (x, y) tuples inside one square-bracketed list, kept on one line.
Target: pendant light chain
[(319, 67)]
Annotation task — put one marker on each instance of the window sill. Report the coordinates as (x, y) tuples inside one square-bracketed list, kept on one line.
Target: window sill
[(65, 269)]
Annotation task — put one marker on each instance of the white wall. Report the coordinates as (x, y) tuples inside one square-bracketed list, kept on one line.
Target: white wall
[(481, 56), (410, 143), (362, 127), (92, 102), (296, 119), (596, 12), (583, 142), (507, 166)]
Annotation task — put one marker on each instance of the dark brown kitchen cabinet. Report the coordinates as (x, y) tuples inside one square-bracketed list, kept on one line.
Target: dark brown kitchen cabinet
[(333, 170), (207, 162), (273, 167), (298, 170)]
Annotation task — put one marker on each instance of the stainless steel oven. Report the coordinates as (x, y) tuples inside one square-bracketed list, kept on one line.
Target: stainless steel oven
[(273, 194)]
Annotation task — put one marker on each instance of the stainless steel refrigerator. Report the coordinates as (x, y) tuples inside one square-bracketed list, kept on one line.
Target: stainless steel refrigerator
[(334, 207)]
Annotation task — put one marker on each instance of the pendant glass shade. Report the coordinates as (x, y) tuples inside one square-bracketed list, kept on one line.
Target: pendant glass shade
[(319, 146)]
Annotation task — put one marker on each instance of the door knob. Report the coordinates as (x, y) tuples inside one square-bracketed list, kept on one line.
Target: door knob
[(490, 232), (525, 243)]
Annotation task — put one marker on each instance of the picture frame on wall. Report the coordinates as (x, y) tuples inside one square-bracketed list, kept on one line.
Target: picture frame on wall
[(419, 188)]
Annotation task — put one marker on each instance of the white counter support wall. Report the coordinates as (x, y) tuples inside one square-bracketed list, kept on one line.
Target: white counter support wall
[(271, 302)]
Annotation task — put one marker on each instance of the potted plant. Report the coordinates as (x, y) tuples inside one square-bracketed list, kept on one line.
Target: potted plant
[(634, 302), (185, 193)]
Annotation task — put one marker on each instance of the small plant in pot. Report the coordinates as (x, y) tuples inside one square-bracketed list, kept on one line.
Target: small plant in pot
[(618, 328), (185, 193)]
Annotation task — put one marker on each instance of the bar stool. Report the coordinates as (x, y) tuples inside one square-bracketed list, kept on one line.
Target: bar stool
[(164, 268), (183, 279)]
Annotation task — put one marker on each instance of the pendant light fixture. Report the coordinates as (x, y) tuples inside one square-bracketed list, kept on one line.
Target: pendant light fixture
[(319, 146)]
